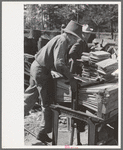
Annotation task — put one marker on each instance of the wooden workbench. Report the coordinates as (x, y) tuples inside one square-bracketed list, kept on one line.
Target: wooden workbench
[(95, 122)]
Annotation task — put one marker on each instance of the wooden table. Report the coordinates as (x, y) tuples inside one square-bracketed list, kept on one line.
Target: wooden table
[(93, 122)]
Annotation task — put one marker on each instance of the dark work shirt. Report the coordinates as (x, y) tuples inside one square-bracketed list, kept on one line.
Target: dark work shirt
[(54, 55), (77, 49), (75, 53)]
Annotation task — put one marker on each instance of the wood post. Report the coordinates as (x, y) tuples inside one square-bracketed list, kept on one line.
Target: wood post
[(55, 127)]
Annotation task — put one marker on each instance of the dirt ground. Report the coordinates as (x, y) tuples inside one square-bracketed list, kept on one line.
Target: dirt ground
[(32, 123)]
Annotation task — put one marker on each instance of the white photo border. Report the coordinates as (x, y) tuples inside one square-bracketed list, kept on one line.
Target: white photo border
[(13, 71)]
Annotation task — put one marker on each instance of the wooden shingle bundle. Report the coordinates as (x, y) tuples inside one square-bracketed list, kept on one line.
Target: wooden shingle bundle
[(101, 98), (98, 56), (89, 69), (107, 66)]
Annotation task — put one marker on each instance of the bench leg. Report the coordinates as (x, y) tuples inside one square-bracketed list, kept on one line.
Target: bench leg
[(72, 131), (55, 127), (91, 133), (78, 135), (116, 129)]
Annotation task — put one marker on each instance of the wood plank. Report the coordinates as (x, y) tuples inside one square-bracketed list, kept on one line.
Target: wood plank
[(107, 64), (55, 127), (87, 97), (110, 107), (90, 104), (90, 107)]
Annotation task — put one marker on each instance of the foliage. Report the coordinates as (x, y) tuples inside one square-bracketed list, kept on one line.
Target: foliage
[(101, 17)]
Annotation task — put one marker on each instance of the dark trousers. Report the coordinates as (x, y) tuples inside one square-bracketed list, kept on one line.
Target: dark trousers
[(41, 87)]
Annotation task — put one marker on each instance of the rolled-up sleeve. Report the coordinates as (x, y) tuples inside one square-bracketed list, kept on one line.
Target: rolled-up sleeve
[(60, 51)]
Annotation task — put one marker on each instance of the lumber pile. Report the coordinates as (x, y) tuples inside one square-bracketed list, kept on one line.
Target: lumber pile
[(98, 64), (98, 56), (106, 68), (96, 97), (89, 68), (100, 98)]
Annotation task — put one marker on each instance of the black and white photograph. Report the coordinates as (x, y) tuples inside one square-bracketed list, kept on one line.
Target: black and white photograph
[(70, 61)]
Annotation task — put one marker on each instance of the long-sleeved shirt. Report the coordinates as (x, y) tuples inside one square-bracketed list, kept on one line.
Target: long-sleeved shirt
[(54, 55), (75, 53), (77, 49)]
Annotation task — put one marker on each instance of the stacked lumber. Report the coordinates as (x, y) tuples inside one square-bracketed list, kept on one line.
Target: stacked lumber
[(89, 69), (106, 68), (85, 56), (98, 56), (101, 98), (86, 68)]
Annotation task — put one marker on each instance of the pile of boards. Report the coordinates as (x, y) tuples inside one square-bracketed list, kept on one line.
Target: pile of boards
[(101, 98), (97, 64), (106, 68)]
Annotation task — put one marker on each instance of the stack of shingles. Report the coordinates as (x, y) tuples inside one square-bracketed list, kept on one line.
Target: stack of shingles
[(89, 63), (86, 66), (106, 68), (90, 97)]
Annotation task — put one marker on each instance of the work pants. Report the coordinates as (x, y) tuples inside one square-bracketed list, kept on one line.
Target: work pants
[(41, 86)]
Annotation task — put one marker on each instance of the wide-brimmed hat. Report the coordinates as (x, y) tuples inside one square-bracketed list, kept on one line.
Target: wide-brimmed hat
[(86, 28), (74, 28)]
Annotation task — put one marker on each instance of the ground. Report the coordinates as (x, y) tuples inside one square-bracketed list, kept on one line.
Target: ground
[(32, 123)]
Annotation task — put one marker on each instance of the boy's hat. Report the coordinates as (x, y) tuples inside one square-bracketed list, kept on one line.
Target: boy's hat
[(86, 28)]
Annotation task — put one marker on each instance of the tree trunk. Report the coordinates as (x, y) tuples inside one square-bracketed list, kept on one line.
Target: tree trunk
[(111, 29), (98, 33)]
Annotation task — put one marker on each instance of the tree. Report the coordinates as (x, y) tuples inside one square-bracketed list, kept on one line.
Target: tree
[(52, 16), (99, 15), (32, 17)]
